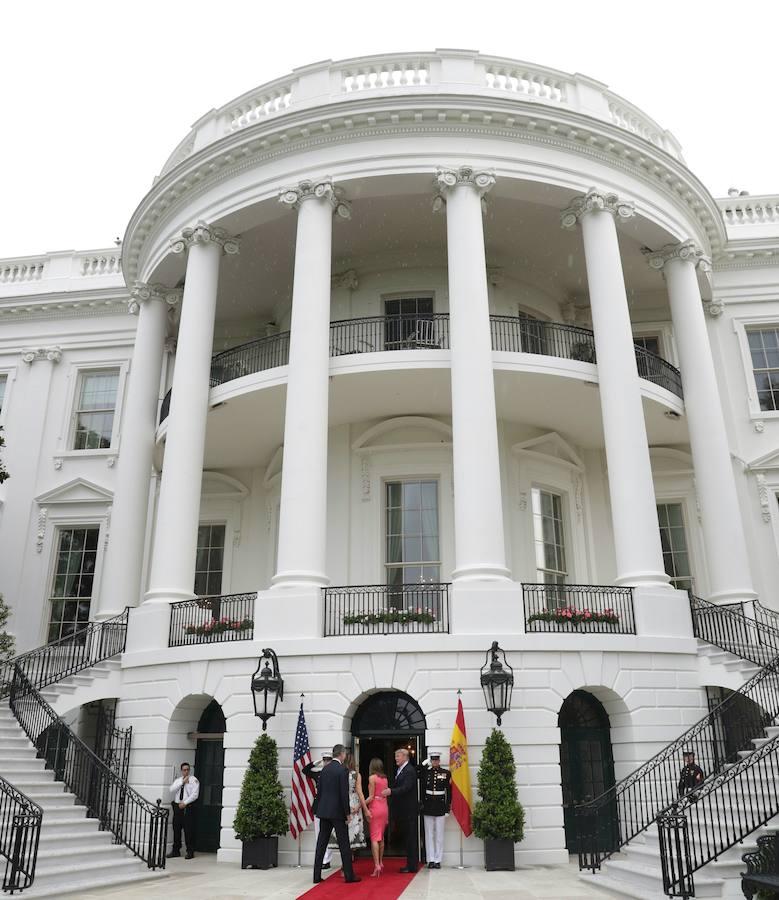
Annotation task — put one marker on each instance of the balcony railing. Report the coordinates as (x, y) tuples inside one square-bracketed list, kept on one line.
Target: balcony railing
[(578, 608), (209, 620), (380, 333), (20, 832), (256, 356), (386, 609)]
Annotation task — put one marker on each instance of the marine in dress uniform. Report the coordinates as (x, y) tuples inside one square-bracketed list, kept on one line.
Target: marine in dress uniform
[(436, 803)]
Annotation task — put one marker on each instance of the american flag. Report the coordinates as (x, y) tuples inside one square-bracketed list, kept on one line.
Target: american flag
[(300, 813)]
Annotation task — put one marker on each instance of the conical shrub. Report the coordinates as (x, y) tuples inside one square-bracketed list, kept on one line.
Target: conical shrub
[(498, 814), (261, 811)]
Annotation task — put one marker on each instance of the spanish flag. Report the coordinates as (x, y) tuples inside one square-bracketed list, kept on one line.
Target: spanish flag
[(461, 776)]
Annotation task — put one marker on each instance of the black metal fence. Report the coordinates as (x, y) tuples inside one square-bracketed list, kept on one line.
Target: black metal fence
[(578, 608), (90, 645), (659, 371), (20, 832), (112, 744), (209, 620), (256, 356), (386, 609), (412, 331), (730, 628), (135, 822), (520, 334)]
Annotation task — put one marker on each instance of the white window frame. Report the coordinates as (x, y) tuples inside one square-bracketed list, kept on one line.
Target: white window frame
[(68, 429), (226, 555), (663, 331), (740, 326), (61, 525), (565, 521), (401, 480), (689, 537), (10, 377)]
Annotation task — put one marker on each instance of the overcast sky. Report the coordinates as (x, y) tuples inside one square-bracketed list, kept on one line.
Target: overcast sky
[(95, 95)]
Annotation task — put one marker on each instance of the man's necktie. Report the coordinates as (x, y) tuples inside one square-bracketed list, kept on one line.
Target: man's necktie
[(181, 792)]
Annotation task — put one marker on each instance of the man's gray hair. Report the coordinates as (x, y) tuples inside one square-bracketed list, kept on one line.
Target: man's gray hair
[(338, 749), (403, 751)]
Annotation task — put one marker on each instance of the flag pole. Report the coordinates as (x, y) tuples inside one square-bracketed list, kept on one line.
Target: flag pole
[(298, 865), (462, 865)]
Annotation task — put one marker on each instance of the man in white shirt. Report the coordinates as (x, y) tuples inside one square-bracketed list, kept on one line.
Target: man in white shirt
[(184, 792)]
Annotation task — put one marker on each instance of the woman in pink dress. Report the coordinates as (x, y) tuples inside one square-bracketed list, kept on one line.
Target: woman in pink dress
[(377, 782)]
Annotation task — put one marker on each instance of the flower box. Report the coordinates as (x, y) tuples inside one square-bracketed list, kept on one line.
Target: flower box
[(219, 626), (569, 615)]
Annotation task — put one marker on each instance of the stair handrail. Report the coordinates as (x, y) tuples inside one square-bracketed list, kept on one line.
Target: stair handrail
[(20, 833), (95, 642), (701, 826), (133, 820), (629, 807), (729, 628)]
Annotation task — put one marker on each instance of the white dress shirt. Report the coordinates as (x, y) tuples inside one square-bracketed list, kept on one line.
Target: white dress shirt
[(191, 790)]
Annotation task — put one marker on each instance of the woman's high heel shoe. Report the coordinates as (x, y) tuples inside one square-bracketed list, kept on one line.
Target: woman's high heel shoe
[(376, 872)]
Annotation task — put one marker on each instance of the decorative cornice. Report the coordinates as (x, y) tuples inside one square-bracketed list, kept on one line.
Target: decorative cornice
[(31, 354), (346, 279), (763, 495), (202, 233), (595, 201), (321, 189), (146, 293), (446, 180), (688, 251)]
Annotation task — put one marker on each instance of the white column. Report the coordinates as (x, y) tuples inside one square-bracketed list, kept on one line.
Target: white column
[(123, 565), (633, 507), (178, 510), (480, 551), (303, 512), (723, 532)]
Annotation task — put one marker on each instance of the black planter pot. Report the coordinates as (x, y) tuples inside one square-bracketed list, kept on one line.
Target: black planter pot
[(499, 855), (261, 853)]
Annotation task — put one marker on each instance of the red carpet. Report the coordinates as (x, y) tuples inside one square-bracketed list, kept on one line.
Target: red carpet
[(388, 886)]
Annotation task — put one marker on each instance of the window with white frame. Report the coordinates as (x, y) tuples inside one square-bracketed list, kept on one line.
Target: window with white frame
[(209, 563), (764, 350), (549, 536), (3, 383), (650, 342), (95, 407), (73, 580), (413, 553), (673, 537), (409, 322)]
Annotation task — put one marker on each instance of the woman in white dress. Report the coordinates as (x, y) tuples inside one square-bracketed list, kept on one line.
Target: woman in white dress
[(357, 806)]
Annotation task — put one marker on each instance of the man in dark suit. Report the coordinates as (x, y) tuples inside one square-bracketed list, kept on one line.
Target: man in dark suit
[(405, 807), (332, 808)]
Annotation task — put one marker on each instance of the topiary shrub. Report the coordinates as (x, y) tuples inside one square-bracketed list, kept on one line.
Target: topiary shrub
[(498, 814), (261, 811)]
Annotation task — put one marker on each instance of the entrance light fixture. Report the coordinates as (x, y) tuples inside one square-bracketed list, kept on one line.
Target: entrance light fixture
[(267, 687), (497, 682)]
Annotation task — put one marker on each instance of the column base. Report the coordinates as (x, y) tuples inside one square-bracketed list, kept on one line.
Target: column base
[(644, 579), (738, 595), (299, 580), (167, 596), (481, 573)]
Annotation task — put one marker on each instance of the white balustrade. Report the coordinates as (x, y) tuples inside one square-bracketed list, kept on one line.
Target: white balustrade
[(632, 120), (529, 82), (23, 270), (56, 272), (385, 74), (265, 102), (108, 264), (750, 210)]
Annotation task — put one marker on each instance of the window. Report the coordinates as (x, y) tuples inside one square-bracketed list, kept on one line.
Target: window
[(549, 536), (413, 555), (409, 322), (532, 334), (3, 382), (95, 407), (74, 573), (209, 564), (674, 541), (764, 350), (650, 342)]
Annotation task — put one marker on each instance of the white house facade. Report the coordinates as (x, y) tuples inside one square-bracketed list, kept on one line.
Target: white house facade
[(401, 356)]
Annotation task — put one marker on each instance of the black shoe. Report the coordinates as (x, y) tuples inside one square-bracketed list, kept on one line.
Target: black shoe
[(436, 865), (318, 880), (174, 854), (406, 869), (431, 865), (325, 865), (353, 880), (190, 854)]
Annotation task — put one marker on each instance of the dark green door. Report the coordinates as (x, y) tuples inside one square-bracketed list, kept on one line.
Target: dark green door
[(209, 770), (587, 766)]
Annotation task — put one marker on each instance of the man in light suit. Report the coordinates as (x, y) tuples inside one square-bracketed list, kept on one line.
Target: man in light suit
[(332, 807)]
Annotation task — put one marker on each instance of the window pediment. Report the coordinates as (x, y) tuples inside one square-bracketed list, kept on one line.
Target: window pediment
[(547, 446), (79, 490), (403, 432)]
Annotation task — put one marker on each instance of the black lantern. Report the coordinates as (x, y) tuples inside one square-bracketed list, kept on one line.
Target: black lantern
[(498, 682), (267, 687)]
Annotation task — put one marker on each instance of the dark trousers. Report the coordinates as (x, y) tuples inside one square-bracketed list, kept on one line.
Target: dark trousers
[(407, 828), (184, 818), (326, 827)]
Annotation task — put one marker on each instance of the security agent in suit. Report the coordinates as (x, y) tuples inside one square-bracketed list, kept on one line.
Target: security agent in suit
[(405, 806), (313, 774), (333, 811), (436, 803)]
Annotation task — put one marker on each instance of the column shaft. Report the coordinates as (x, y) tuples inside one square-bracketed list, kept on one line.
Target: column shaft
[(723, 532), (480, 551), (121, 582), (637, 545)]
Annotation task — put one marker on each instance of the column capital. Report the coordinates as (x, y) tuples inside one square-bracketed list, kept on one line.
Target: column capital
[(146, 293), (446, 179), (318, 189), (31, 354), (687, 251), (595, 201), (203, 233)]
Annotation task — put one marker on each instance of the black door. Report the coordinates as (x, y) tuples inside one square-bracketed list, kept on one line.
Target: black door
[(587, 766), (209, 770)]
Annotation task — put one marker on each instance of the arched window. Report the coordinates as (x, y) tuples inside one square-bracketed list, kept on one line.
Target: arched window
[(388, 712)]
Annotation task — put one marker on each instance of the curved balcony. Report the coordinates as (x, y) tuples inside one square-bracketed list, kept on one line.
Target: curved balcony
[(380, 334)]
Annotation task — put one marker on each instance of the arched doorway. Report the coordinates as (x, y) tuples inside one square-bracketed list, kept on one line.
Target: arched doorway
[(586, 764), (209, 770), (383, 723)]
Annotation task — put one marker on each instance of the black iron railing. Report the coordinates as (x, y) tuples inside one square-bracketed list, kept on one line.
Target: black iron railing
[(730, 628), (715, 817), (165, 406), (90, 645), (20, 832), (659, 371), (520, 334), (112, 744), (578, 608), (380, 333), (135, 822), (246, 359), (386, 609), (210, 620), (618, 815)]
